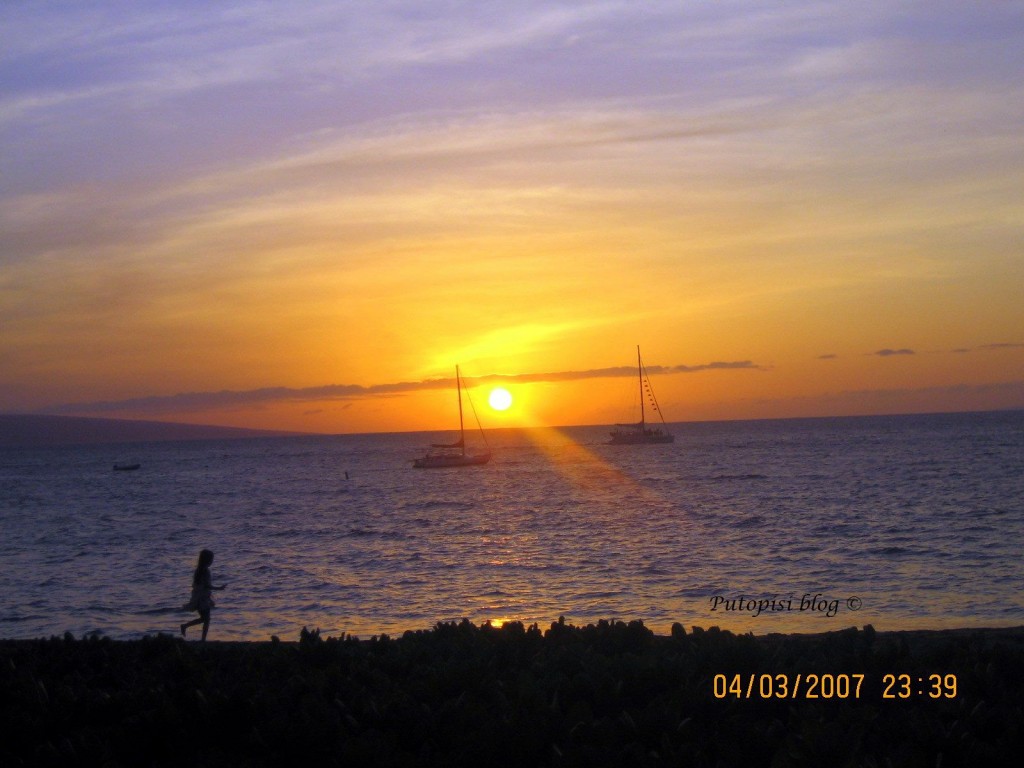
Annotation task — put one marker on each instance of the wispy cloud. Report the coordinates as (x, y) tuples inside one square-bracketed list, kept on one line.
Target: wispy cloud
[(893, 352), (1002, 345), (189, 401), (957, 351)]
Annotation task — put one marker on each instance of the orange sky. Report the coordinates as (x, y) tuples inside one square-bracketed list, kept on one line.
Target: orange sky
[(248, 219)]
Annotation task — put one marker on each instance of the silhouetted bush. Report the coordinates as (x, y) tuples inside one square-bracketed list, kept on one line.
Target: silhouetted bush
[(459, 694)]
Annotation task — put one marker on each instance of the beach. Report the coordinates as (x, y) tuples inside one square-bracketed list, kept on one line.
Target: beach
[(610, 693)]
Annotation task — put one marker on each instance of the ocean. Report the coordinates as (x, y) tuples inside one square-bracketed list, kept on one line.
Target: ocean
[(807, 525)]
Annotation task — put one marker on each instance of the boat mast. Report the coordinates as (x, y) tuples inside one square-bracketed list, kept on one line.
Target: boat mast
[(462, 434), (640, 375)]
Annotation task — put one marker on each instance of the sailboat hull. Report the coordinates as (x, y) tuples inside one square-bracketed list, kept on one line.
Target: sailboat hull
[(646, 437), (441, 461)]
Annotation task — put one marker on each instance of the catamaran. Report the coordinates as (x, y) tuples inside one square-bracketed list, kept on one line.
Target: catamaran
[(640, 433), (454, 454)]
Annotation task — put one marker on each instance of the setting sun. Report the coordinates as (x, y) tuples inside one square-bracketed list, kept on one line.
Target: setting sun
[(500, 399)]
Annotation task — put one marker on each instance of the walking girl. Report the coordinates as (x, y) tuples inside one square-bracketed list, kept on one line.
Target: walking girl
[(202, 598)]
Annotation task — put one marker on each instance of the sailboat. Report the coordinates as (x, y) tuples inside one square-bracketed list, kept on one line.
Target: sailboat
[(640, 433), (454, 454)]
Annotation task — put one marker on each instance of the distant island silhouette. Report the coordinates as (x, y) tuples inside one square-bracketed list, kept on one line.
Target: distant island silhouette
[(30, 430)]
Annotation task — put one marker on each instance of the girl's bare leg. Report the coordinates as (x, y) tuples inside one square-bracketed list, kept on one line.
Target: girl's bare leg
[(204, 621)]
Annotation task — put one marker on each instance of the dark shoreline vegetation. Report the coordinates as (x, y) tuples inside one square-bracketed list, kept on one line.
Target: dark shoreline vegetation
[(461, 694)]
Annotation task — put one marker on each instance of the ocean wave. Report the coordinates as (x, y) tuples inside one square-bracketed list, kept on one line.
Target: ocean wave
[(20, 617), (160, 611)]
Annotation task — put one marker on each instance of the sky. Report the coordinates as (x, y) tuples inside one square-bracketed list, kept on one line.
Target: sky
[(304, 215)]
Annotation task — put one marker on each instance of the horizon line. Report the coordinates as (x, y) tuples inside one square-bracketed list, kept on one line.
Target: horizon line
[(258, 432)]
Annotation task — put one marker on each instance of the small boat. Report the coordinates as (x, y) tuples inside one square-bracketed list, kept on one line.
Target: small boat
[(640, 433), (126, 467), (443, 455)]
